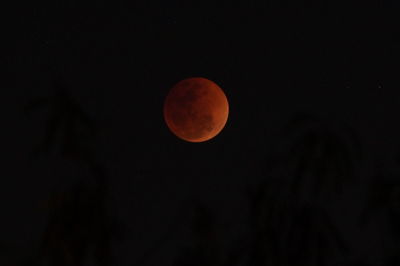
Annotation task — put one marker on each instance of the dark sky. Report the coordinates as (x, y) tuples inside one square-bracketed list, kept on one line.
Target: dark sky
[(119, 60)]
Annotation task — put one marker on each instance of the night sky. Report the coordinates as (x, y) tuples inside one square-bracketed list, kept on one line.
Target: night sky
[(275, 62)]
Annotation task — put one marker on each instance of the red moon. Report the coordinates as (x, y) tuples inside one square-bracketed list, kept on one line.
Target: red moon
[(196, 109)]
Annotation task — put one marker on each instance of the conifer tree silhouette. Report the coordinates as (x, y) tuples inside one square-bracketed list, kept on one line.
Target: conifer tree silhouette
[(291, 221), (383, 198), (67, 123), (205, 248), (79, 223)]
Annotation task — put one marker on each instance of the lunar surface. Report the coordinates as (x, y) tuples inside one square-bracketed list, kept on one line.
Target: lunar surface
[(196, 109)]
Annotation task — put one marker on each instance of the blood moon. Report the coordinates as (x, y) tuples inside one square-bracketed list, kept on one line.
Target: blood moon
[(196, 109)]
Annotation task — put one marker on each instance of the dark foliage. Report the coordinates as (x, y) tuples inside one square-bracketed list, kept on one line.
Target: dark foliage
[(205, 249), (67, 122), (79, 224), (383, 196), (383, 200), (323, 157), (291, 220)]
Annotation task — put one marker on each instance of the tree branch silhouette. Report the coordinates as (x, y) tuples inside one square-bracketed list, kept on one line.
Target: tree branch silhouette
[(79, 223)]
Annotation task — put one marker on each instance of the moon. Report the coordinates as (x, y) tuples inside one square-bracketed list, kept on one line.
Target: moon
[(196, 109)]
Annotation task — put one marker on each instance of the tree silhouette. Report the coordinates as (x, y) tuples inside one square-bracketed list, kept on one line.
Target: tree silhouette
[(79, 223), (67, 121), (383, 197), (322, 157), (288, 234), (290, 214), (205, 249), (392, 260)]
